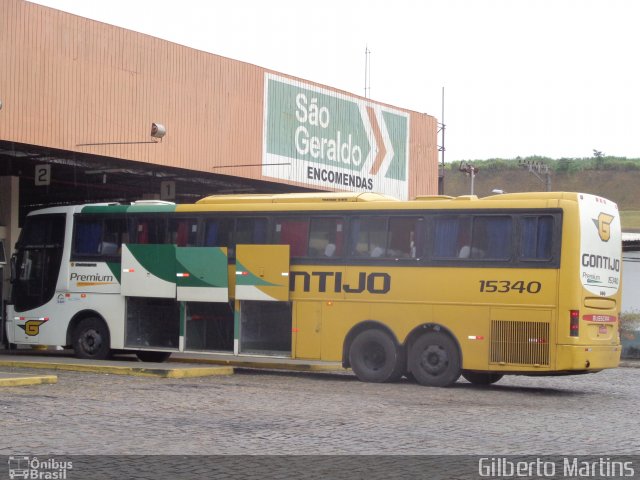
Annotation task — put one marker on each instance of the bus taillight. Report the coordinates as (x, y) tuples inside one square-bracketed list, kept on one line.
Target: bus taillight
[(574, 326)]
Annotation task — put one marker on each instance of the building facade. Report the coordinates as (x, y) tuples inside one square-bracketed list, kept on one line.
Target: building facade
[(80, 99)]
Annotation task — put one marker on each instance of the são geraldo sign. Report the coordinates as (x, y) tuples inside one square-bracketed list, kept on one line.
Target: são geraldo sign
[(325, 138)]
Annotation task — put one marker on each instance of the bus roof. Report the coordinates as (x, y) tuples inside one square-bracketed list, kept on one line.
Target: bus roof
[(318, 197), (325, 200)]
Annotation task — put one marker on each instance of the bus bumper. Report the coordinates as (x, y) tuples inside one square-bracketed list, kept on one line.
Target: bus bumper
[(587, 357)]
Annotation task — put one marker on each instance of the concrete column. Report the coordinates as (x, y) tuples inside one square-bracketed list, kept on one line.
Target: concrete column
[(9, 231)]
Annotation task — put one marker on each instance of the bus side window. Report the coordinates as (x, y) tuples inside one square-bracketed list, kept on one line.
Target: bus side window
[(99, 236), (183, 232), (403, 242), (88, 236), (326, 237), (218, 232), (452, 237), (249, 231), (114, 235), (491, 237), (368, 237), (149, 230), (536, 237), (293, 232)]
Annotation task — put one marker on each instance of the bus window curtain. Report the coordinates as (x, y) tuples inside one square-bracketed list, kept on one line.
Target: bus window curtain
[(544, 237), (499, 235), (354, 237), (88, 237), (528, 237), (419, 237), (182, 235), (446, 238), (295, 233), (536, 237), (339, 237), (260, 231), (211, 234)]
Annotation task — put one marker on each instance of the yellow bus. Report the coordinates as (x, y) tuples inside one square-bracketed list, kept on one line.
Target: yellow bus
[(432, 289)]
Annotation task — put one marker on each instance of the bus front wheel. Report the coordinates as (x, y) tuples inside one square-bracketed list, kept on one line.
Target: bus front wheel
[(375, 357), (479, 378), (91, 339), (434, 360)]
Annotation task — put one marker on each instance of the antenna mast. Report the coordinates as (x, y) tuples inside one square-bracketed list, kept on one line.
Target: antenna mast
[(367, 72), (441, 128)]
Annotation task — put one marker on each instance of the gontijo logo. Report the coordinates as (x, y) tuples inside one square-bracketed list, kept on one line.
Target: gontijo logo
[(603, 224), (318, 136), (600, 245), (32, 327)]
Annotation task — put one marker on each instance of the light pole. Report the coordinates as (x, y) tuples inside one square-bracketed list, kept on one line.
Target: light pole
[(468, 169)]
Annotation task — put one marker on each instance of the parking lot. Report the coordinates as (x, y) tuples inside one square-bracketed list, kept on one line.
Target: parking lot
[(289, 413)]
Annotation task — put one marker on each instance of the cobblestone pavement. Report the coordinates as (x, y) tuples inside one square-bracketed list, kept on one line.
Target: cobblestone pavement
[(255, 412)]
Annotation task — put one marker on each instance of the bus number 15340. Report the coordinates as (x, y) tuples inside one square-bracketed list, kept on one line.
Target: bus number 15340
[(505, 286)]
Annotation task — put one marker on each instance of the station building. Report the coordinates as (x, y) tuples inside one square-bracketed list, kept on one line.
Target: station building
[(90, 112)]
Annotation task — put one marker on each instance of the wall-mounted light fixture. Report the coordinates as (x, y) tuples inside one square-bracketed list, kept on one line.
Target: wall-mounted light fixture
[(158, 130)]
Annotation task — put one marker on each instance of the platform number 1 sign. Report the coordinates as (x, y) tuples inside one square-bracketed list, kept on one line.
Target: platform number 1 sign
[(43, 175), (168, 190)]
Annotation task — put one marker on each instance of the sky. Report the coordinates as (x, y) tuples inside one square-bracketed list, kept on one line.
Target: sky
[(556, 78)]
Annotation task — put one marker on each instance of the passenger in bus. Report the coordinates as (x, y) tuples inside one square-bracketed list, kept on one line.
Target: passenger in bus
[(330, 250), (470, 252)]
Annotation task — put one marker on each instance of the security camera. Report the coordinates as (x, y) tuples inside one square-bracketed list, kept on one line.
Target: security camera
[(158, 130)]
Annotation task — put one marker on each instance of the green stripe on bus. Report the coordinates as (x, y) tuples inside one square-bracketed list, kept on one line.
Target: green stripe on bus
[(156, 259)]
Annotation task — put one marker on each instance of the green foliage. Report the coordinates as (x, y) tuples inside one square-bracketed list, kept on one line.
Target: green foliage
[(629, 322), (568, 165)]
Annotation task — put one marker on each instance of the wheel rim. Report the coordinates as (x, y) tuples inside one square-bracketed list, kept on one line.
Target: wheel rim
[(374, 357), (434, 360), (91, 341)]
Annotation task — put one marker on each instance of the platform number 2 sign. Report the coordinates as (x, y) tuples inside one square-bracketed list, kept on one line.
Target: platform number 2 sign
[(43, 175)]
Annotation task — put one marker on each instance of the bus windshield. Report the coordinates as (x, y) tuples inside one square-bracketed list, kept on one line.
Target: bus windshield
[(37, 261)]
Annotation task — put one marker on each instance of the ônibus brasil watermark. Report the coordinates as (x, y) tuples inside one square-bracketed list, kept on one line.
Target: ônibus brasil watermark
[(34, 468)]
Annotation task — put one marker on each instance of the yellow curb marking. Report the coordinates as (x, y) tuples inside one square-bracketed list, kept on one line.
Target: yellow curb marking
[(118, 370), (22, 381), (302, 367)]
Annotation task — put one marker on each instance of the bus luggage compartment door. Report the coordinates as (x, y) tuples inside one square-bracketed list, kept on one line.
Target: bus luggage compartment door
[(202, 274), (148, 270), (262, 272), (262, 294)]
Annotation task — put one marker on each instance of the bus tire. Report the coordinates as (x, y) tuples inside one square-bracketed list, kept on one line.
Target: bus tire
[(434, 360), (481, 378), (158, 357), (375, 357), (91, 339)]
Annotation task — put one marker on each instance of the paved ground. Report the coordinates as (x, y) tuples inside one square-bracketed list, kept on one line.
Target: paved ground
[(255, 412)]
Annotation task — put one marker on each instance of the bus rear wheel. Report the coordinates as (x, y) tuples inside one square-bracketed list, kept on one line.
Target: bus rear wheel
[(91, 339), (375, 357), (434, 360), (480, 378), (158, 357)]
